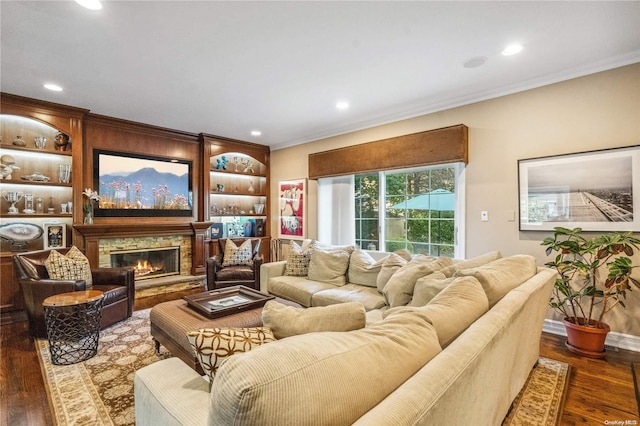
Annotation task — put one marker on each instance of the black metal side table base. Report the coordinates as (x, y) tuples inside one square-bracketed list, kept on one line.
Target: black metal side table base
[(73, 331)]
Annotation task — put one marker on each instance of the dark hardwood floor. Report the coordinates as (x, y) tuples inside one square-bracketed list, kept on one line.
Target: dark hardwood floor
[(600, 391)]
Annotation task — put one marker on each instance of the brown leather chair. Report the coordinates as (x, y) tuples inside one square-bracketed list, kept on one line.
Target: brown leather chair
[(117, 284), (247, 275)]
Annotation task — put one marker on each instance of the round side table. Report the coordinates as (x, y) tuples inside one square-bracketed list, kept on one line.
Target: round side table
[(73, 325)]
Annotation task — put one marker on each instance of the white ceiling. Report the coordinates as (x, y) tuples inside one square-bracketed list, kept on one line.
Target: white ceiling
[(227, 68)]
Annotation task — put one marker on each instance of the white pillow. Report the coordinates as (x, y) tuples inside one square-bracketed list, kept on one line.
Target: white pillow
[(234, 255), (329, 266), (390, 264), (364, 269), (399, 288)]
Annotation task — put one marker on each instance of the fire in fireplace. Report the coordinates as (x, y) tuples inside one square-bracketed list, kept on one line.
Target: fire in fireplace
[(148, 262)]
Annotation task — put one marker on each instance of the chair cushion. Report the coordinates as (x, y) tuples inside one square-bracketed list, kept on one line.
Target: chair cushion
[(73, 266), (214, 345), (234, 273), (234, 255), (285, 321), (112, 293)]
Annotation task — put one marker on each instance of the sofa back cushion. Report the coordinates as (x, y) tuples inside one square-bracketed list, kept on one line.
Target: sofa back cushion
[(285, 321), (427, 287), (329, 266), (502, 275), (474, 262), (399, 289), (453, 309), (363, 269), (390, 265), (322, 378)]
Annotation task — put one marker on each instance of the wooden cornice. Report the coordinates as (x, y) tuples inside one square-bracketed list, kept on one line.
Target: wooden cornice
[(440, 146)]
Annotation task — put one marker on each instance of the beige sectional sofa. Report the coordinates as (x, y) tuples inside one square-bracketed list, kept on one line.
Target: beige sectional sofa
[(461, 358)]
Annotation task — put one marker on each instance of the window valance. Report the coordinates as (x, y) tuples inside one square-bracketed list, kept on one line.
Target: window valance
[(439, 146)]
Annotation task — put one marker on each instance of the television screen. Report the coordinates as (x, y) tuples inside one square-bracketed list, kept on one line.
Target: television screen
[(141, 185)]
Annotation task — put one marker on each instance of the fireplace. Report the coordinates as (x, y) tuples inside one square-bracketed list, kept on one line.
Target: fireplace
[(149, 262)]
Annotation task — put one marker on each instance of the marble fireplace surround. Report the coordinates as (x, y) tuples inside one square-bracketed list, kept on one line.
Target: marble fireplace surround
[(100, 239)]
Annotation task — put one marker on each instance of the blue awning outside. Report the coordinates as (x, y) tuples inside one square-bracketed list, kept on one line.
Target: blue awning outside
[(438, 200)]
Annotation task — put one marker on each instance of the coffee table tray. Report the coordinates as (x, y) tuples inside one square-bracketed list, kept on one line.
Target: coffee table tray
[(226, 301)]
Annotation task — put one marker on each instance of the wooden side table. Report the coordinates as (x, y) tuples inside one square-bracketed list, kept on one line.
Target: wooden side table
[(73, 325)]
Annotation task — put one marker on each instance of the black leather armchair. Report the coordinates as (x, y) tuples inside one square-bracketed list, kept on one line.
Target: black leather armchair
[(117, 284), (247, 275)]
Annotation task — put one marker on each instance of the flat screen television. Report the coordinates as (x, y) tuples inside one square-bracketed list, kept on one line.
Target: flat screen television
[(135, 185)]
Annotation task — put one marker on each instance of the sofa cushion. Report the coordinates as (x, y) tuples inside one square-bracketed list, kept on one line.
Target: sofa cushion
[(298, 259), (322, 378), (329, 266), (452, 310), (363, 269), (399, 289), (234, 255), (427, 287), (390, 265), (474, 262), (367, 296), (214, 345), (285, 321), (74, 267), (297, 289), (502, 275)]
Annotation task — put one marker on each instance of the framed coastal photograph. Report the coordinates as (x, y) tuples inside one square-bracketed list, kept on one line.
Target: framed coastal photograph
[(55, 235), (595, 190), (292, 205)]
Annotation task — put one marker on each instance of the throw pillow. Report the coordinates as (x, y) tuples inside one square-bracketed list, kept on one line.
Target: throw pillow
[(298, 259), (364, 269), (471, 263), (61, 267), (214, 345), (399, 289), (329, 266), (452, 310), (234, 255), (391, 264), (285, 321), (502, 275), (427, 287)]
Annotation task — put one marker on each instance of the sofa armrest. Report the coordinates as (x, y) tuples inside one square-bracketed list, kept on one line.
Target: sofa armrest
[(268, 270)]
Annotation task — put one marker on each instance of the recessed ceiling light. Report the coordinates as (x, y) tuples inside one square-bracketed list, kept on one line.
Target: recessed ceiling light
[(53, 87), (475, 62), (342, 105), (90, 4), (512, 49), (256, 133)]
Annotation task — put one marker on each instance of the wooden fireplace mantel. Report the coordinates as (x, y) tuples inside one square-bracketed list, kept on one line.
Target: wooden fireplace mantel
[(92, 234)]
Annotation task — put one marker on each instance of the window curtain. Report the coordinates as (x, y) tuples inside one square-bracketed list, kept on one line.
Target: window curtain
[(336, 207)]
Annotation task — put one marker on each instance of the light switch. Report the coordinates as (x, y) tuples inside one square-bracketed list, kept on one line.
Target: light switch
[(484, 216)]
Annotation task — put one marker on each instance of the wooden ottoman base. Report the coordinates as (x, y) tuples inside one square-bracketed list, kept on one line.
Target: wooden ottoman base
[(171, 321)]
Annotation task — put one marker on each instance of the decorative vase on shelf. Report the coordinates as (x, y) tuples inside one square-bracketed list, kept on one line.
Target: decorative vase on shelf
[(88, 214)]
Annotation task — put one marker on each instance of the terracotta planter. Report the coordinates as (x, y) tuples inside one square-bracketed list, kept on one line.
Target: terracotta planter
[(586, 341)]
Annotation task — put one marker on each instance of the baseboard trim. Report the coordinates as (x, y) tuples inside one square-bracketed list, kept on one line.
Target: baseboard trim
[(619, 340)]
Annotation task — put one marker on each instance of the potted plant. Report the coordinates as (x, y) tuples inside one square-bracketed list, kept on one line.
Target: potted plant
[(594, 275)]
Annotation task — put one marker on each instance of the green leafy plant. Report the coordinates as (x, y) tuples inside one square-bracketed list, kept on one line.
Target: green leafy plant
[(591, 272)]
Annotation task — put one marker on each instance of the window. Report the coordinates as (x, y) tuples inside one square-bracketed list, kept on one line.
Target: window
[(419, 210)]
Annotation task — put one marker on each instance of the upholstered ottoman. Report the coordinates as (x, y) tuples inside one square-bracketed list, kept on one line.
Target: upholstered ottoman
[(171, 321)]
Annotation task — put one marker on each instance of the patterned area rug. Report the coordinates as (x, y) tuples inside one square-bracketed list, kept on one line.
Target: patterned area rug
[(99, 391), (541, 400)]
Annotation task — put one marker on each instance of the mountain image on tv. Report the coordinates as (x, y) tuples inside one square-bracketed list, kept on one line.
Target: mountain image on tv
[(146, 188)]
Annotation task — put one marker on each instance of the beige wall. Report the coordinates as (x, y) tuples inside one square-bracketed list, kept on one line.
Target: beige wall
[(593, 112)]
